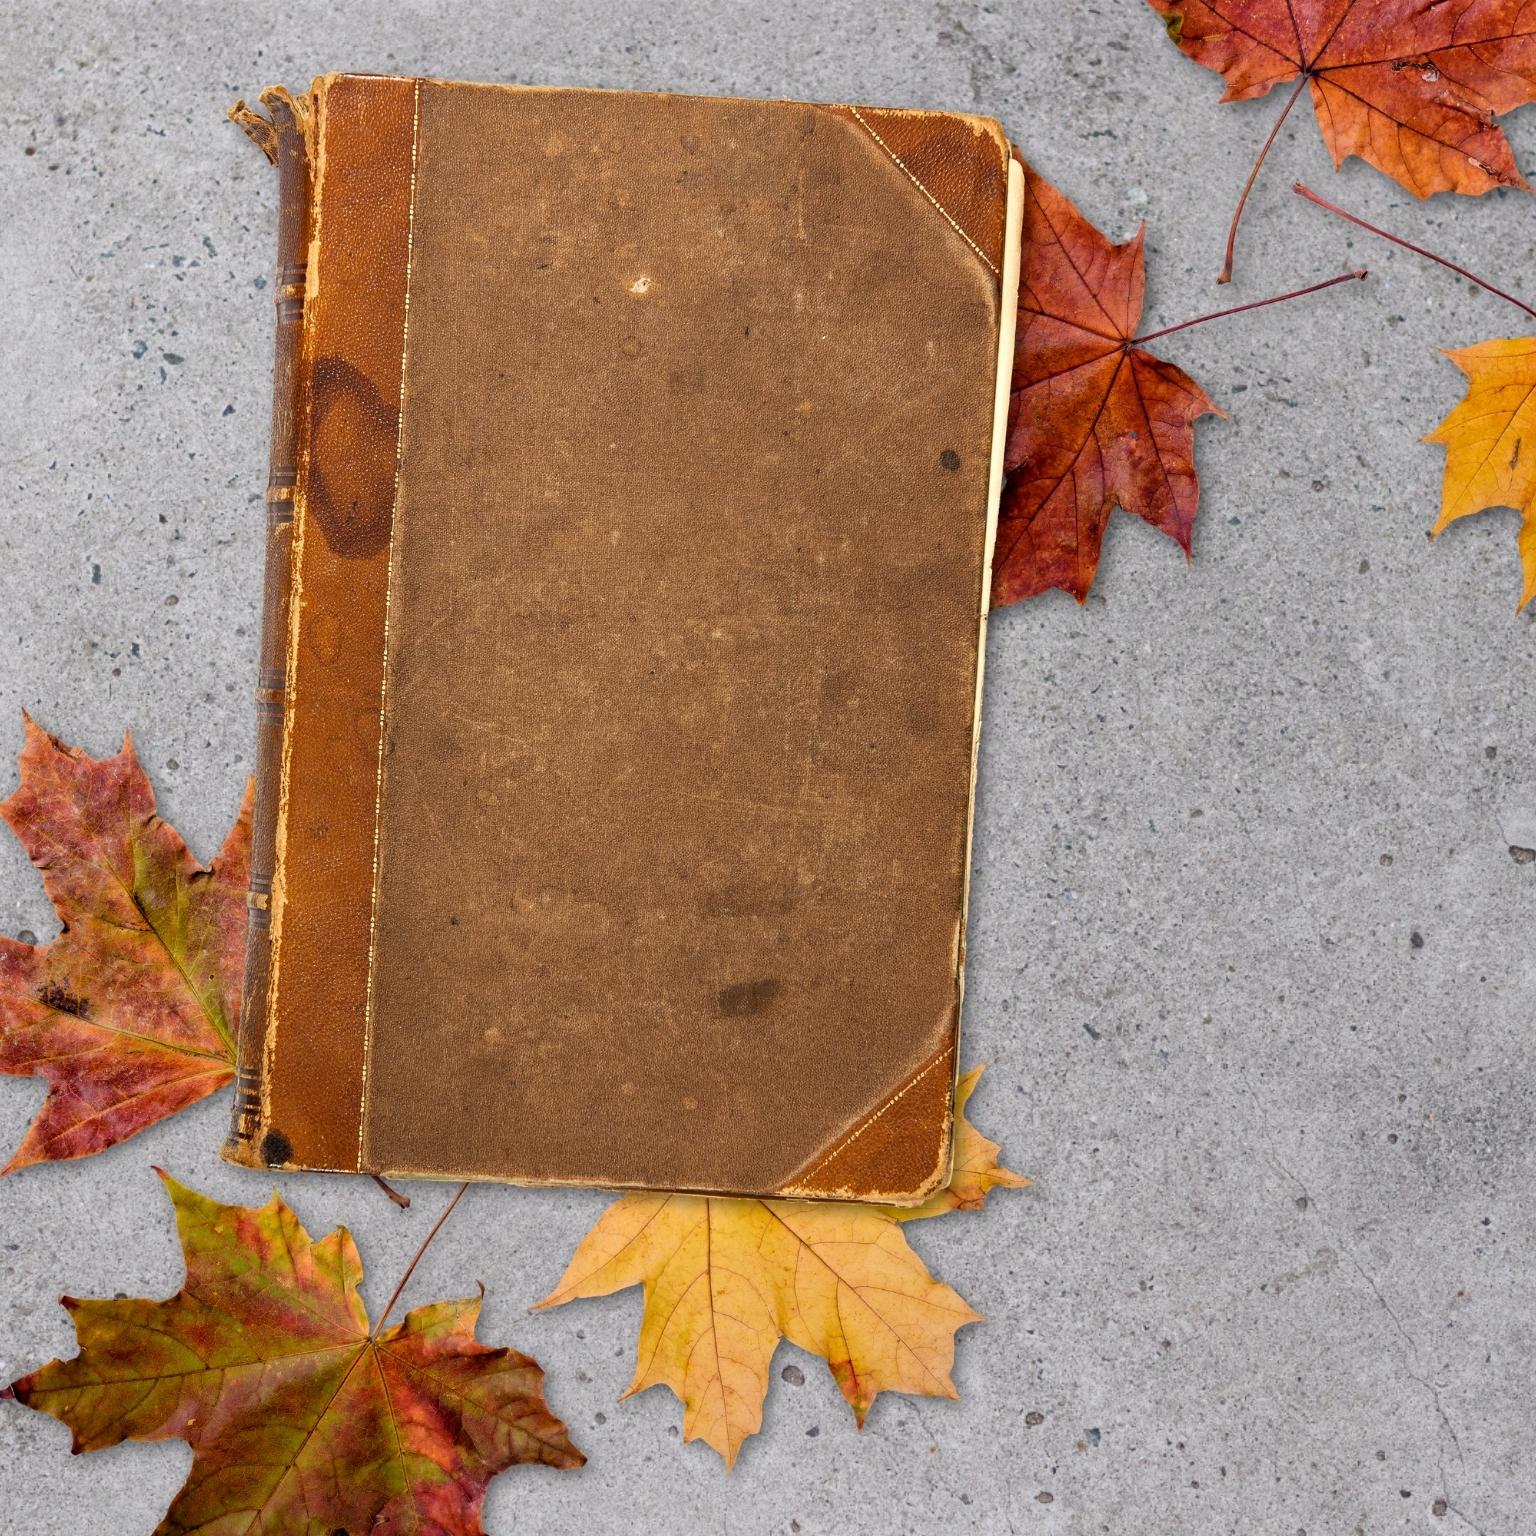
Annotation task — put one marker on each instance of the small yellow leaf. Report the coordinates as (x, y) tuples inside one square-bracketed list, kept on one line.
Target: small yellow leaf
[(976, 1168), (725, 1280), (1490, 441)]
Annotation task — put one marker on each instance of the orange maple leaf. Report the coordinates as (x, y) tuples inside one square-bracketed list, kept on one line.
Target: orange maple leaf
[(1410, 86), (1490, 442), (726, 1280), (300, 1416), (130, 1014), (1096, 421)]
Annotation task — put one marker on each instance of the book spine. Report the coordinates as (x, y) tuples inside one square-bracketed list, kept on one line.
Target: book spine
[(284, 138)]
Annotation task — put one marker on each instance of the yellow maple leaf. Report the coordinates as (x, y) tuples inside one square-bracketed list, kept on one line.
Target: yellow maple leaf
[(725, 1280), (1490, 441), (976, 1170)]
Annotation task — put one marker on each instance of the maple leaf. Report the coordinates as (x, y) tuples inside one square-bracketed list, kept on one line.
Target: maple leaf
[(130, 1014), (1490, 441), (725, 1280), (1095, 421), (299, 1416), (1410, 86)]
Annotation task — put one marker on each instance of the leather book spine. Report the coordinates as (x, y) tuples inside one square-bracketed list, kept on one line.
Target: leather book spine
[(284, 139)]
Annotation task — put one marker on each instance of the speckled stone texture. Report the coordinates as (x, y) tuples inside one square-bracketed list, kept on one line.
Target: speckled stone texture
[(1250, 944)]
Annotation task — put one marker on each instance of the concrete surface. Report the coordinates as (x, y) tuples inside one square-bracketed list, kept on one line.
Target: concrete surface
[(1251, 954)]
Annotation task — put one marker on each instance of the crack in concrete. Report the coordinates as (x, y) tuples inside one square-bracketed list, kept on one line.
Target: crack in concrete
[(1410, 1363)]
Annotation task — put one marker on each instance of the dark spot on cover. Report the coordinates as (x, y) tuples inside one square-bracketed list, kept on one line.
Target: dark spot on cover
[(950, 460), (839, 688), (746, 997), (352, 467), (61, 1001), (276, 1149)]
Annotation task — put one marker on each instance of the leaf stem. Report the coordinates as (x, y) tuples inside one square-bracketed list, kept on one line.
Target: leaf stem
[(410, 1269), (403, 1201), (1253, 175), (1302, 190), (1357, 276)]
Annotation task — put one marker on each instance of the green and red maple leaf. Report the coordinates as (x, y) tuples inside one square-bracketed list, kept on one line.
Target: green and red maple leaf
[(301, 1417)]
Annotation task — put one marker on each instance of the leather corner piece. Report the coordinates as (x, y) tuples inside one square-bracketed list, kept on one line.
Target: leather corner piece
[(898, 1153), (240, 1152), (958, 162)]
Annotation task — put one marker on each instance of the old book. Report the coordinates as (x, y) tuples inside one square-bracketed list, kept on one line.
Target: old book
[(635, 466)]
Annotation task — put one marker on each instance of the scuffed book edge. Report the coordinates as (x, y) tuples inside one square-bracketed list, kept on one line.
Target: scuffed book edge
[(869, 1139), (284, 136)]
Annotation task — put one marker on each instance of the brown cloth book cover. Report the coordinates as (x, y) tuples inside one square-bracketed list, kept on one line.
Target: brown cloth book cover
[(635, 465)]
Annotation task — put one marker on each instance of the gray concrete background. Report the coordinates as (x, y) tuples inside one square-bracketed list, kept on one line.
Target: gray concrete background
[(1250, 952)]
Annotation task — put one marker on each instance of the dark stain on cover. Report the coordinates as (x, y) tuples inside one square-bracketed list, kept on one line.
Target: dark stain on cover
[(276, 1149), (352, 468), (746, 997)]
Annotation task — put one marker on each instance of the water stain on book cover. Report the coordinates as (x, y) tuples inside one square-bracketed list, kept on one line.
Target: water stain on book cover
[(352, 468)]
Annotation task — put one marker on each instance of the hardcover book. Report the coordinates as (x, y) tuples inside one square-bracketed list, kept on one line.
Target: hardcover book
[(635, 468)]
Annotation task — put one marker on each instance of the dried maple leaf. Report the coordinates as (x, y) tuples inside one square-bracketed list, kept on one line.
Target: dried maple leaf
[(300, 1418), (725, 1280), (1410, 86), (1490, 442), (130, 1014), (1095, 421)]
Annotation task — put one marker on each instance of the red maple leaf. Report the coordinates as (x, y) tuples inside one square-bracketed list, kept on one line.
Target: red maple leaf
[(1096, 421)]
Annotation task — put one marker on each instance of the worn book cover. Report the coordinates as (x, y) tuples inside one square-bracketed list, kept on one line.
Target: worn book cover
[(635, 465)]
